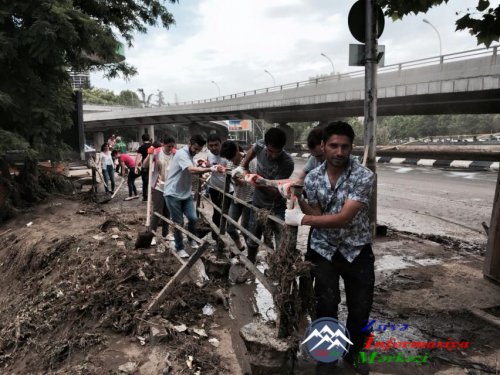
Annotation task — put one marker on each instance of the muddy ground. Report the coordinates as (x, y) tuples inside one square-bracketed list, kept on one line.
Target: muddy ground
[(73, 291)]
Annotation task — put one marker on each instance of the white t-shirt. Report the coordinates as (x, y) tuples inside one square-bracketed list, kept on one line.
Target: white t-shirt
[(106, 160)]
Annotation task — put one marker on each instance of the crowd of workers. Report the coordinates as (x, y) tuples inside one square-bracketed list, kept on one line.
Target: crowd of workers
[(335, 202)]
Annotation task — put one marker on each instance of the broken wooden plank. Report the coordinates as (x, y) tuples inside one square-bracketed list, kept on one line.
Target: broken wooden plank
[(160, 297), (248, 264)]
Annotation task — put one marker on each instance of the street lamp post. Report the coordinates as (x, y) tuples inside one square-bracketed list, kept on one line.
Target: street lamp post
[(329, 59), (437, 32), (218, 88), (274, 81)]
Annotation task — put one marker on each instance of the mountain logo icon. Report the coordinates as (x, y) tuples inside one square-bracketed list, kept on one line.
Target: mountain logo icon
[(326, 340)]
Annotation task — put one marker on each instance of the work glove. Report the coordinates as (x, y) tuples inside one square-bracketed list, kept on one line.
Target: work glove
[(285, 189), (294, 215), (252, 178), (218, 168), (238, 172)]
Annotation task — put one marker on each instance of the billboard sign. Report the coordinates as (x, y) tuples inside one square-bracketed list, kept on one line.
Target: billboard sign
[(239, 125)]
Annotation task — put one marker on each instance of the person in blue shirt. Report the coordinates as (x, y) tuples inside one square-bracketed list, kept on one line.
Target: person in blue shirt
[(178, 189)]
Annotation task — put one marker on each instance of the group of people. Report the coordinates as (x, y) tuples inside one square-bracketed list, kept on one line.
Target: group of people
[(335, 203)]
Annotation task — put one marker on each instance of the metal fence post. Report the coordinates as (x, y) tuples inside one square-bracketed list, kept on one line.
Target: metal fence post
[(198, 193), (226, 201)]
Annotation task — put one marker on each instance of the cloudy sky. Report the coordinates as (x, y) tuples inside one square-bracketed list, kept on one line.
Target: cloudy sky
[(232, 42)]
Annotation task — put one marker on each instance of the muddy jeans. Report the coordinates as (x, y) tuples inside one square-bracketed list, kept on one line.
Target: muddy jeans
[(160, 206), (237, 210), (359, 280), (178, 208), (258, 231)]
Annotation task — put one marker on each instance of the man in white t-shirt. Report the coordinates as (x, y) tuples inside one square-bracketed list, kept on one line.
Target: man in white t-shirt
[(161, 160)]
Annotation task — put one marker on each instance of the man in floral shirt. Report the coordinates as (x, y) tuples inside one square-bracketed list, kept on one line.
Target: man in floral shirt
[(338, 193)]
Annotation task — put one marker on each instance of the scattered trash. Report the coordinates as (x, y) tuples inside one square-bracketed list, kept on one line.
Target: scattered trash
[(208, 309), (114, 236), (200, 332), (142, 275), (120, 243), (180, 328), (142, 340), (29, 224), (214, 342), (128, 368), (97, 237), (189, 362), (59, 294)]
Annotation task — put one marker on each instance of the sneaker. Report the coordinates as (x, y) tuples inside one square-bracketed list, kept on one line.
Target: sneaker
[(357, 366), (169, 237), (182, 253), (194, 244)]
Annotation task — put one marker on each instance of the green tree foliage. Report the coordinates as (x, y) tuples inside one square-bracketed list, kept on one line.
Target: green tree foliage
[(41, 39), (483, 21), (108, 97), (404, 127)]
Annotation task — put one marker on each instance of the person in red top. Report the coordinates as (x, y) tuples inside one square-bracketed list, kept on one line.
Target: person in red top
[(127, 162)]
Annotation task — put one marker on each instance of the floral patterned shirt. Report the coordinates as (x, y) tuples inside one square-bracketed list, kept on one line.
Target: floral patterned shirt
[(355, 183)]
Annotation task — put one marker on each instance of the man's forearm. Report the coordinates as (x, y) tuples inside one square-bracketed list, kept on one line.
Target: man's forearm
[(308, 209), (325, 221)]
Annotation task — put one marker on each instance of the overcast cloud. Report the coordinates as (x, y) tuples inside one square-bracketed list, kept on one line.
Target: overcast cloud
[(233, 41)]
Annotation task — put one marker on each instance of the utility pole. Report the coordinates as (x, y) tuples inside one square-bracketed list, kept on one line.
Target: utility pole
[(491, 269), (370, 105)]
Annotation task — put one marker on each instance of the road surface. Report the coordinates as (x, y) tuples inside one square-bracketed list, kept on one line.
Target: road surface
[(450, 202)]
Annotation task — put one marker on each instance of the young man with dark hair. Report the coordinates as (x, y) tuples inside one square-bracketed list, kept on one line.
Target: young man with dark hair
[(161, 165), (338, 194), (142, 154), (178, 187), (216, 180), (242, 190), (314, 139), (273, 163)]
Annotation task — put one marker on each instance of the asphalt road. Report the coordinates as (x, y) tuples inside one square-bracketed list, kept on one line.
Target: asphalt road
[(450, 202)]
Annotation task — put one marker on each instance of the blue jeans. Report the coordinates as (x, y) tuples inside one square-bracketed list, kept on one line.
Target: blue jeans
[(109, 174), (178, 208), (237, 210)]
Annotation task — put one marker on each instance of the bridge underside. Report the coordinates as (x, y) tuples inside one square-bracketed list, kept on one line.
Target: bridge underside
[(475, 102)]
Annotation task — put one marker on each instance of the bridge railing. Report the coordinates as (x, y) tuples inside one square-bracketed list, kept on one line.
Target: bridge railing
[(428, 61)]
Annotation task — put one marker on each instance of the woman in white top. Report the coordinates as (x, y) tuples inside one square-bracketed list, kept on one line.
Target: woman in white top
[(107, 167)]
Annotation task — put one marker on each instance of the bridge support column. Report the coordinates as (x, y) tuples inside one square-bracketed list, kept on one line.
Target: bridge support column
[(98, 140), (290, 135), (150, 129), (140, 132)]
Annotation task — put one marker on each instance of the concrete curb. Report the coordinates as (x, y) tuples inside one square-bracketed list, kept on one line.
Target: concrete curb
[(463, 164)]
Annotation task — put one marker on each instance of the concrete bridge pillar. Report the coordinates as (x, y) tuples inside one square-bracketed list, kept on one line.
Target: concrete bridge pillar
[(98, 140), (150, 129), (140, 132), (290, 135)]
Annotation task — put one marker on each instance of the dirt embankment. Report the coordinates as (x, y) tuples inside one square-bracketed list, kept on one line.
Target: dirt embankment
[(73, 290)]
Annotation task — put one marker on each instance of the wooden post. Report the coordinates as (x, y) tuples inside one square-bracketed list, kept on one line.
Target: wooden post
[(491, 269), (94, 179), (226, 201), (198, 192), (285, 325)]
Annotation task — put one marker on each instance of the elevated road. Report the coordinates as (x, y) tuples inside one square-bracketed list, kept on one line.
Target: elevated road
[(464, 82)]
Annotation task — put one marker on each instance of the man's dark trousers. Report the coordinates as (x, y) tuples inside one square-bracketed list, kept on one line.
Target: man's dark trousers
[(359, 280)]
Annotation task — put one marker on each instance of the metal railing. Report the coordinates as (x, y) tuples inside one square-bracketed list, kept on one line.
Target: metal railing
[(428, 61)]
